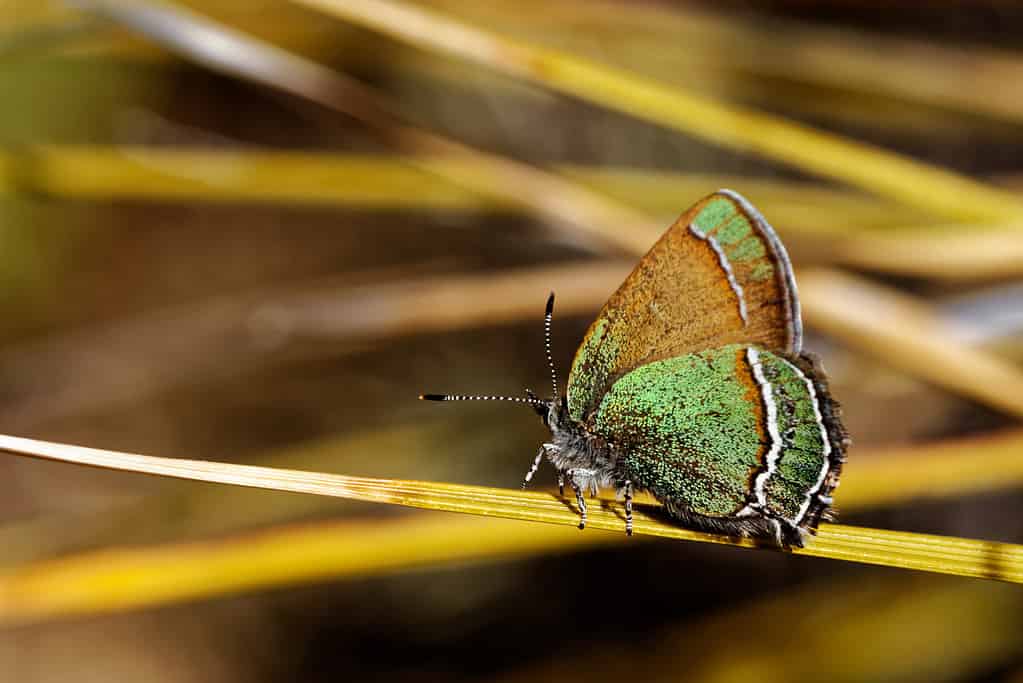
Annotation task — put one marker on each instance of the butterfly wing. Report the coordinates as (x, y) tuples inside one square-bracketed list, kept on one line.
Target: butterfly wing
[(714, 432), (718, 276)]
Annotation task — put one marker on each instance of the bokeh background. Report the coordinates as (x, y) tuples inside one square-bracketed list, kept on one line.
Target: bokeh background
[(267, 267)]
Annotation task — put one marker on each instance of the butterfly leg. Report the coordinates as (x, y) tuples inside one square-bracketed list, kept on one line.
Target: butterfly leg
[(628, 508), (561, 483), (536, 465), (782, 531), (786, 534), (579, 500)]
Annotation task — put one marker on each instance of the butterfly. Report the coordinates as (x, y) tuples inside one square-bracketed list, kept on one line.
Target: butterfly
[(692, 385)]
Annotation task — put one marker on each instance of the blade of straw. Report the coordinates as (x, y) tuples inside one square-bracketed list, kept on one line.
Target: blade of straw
[(829, 155), (964, 557), (908, 334), (885, 236), (222, 49), (122, 578)]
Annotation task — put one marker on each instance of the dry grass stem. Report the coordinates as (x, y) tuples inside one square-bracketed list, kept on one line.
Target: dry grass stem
[(685, 37), (857, 164), (118, 579), (951, 252), (906, 333), (842, 226), (564, 203), (947, 555)]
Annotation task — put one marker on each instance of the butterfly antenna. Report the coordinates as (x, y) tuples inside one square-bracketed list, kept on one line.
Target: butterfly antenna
[(533, 401), (531, 398), (548, 316)]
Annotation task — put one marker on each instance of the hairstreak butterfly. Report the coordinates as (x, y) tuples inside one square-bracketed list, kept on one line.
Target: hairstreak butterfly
[(692, 384)]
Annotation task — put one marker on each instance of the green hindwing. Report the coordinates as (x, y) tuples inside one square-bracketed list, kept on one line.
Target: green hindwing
[(687, 429), (716, 430)]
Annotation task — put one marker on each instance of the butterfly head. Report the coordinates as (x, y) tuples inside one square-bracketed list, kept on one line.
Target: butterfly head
[(552, 411)]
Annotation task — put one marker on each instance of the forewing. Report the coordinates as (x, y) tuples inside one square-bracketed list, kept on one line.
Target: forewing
[(718, 276)]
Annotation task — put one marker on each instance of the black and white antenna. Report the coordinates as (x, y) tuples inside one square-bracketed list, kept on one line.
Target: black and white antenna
[(539, 404), (462, 397), (548, 316)]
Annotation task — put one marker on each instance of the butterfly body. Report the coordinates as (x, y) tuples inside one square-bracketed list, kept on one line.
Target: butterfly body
[(692, 384)]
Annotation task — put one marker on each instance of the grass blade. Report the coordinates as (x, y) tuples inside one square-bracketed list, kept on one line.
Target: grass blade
[(871, 63), (851, 228), (953, 467), (381, 182), (117, 579), (945, 555), (220, 48), (906, 333), (858, 164), (949, 252)]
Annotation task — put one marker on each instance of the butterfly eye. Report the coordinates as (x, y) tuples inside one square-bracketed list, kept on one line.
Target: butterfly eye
[(541, 407)]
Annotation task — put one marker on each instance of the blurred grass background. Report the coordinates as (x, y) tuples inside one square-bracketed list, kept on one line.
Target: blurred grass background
[(202, 266)]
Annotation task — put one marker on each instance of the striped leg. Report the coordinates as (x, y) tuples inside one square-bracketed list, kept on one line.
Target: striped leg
[(787, 534), (536, 465), (561, 483), (579, 500), (628, 508)]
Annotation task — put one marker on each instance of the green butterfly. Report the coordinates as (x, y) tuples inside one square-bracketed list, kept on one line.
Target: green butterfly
[(692, 384)]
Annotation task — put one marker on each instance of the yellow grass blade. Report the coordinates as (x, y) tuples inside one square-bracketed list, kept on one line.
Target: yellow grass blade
[(683, 39), (387, 182), (880, 476), (949, 252), (858, 164), (955, 467), (563, 203), (118, 580), (915, 246), (903, 331), (946, 555), (130, 578)]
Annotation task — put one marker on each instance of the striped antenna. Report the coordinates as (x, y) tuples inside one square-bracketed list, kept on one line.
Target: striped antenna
[(532, 400), (548, 316), (540, 405)]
